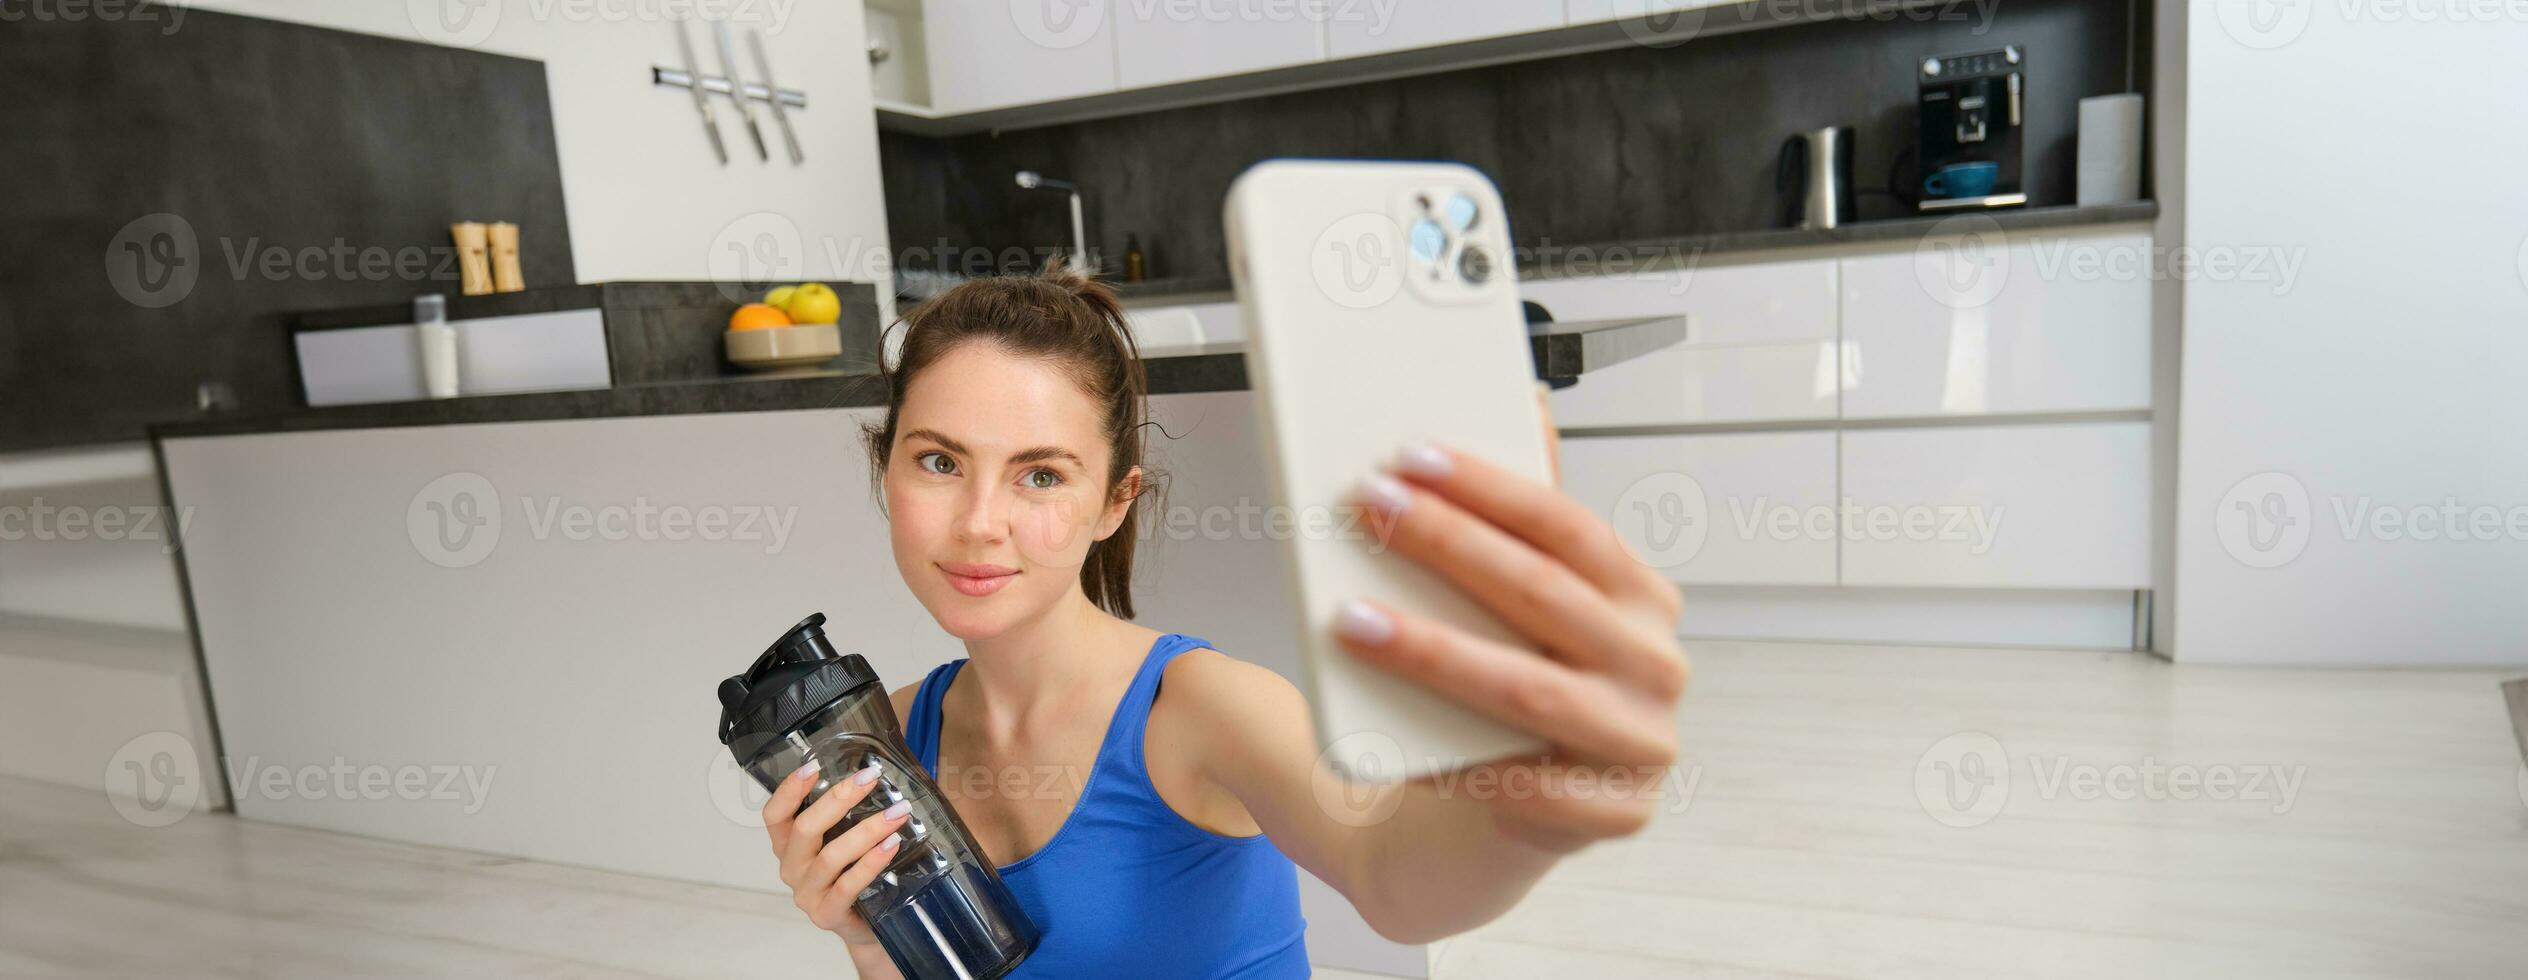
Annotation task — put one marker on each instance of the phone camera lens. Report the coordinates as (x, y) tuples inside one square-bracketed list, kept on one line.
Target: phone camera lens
[(1460, 212), (1475, 265), (1428, 240)]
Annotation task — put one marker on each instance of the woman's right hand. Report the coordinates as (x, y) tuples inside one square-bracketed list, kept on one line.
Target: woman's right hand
[(826, 878)]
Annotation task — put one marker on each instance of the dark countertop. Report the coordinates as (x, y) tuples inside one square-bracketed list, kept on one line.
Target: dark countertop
[(1552, 260), (1563, 351)]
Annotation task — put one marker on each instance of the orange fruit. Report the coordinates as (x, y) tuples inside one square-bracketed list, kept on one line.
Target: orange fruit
[(757, 316)]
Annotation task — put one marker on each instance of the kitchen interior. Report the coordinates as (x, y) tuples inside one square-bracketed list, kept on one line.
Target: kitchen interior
[(2087, 484)]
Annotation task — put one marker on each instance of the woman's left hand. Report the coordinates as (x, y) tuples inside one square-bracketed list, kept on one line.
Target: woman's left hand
[(1605, 693)]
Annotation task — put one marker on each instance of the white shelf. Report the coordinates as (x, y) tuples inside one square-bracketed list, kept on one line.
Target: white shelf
[(70, 467)]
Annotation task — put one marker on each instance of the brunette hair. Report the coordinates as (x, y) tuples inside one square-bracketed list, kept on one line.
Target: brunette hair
[(1074, 322)]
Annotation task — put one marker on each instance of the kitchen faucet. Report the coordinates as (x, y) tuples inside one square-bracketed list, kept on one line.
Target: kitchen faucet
[(1031, 180)]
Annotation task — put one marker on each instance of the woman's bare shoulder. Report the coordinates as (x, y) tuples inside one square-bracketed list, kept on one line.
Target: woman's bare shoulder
[(1206, 690)]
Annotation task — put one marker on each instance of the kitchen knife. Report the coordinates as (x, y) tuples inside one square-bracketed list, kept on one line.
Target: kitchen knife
[(737, 88), (790, 137), (701, 100)]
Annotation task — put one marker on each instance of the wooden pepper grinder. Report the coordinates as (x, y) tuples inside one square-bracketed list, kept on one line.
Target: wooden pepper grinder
[(473, 257), (506, 277)]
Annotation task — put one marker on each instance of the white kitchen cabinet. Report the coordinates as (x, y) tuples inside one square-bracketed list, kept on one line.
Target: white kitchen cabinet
[(2063, 506), (1757, 303), (1971, 326), (991, 55), (1167, 41), (1760, 345), (1690, 385), (1364, 27), (1751, 509)]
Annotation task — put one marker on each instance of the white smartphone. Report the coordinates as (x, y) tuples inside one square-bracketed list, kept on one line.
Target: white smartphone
[(1381, 306)]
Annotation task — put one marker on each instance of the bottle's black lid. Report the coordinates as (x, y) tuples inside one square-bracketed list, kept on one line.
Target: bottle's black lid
[(800, 673)]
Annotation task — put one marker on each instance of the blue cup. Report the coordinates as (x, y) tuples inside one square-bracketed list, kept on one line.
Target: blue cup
[(1974, 179)]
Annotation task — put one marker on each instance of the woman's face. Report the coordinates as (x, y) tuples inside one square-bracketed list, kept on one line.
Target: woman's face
[(995, 488)]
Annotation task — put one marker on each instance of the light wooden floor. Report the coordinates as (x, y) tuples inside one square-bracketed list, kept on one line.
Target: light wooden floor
[(1809, 848)]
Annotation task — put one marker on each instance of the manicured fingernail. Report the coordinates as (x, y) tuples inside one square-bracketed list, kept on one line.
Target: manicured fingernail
[(1385, 493), (1423, 460), (806, 772), (890, 843), (1361, 622), (898, 811), (866, 776)]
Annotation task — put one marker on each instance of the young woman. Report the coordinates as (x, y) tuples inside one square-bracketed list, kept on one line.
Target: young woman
[(1010, 463)]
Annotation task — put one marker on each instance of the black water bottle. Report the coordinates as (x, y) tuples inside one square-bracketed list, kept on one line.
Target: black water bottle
[(940, 908)]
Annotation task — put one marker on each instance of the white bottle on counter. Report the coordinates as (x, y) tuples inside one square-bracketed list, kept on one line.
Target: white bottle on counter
[(438, 345)]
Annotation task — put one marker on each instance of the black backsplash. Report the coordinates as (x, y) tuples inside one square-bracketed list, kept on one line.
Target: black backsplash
[(351, 154), (1596, 148)]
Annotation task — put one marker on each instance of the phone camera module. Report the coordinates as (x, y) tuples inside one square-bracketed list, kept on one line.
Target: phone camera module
[(1475, 265)]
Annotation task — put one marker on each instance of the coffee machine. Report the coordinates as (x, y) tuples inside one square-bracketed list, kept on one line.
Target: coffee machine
[(1973, 110)]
